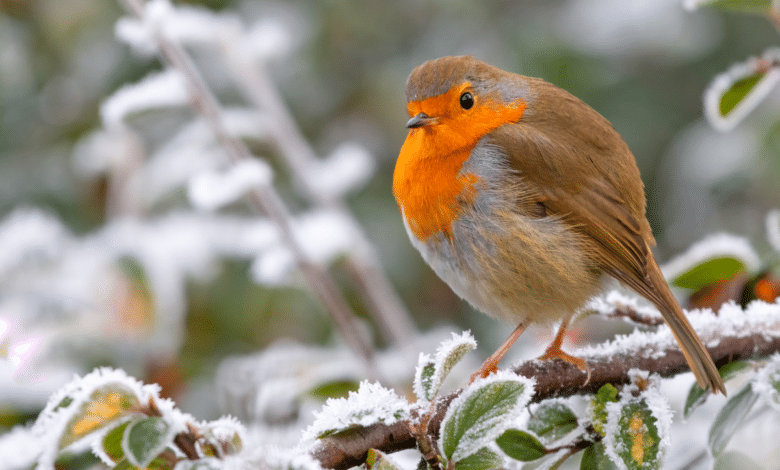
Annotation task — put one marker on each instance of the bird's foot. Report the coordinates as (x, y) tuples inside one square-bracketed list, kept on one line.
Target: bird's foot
[(555, 352)]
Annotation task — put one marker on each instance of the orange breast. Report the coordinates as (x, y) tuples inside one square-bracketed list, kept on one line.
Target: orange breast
[(427, 182)]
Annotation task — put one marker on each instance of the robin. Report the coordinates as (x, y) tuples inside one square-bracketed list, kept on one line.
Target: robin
[(520, 196)]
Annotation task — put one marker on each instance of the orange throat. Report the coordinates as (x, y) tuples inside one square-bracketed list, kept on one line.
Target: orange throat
[(428, 183), (428, 186)]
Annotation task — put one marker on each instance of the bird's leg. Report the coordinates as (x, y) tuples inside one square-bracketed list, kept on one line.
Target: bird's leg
[(554, 351), (491, 365)]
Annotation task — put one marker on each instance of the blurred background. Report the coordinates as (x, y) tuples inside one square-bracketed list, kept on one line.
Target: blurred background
[(341, 67)]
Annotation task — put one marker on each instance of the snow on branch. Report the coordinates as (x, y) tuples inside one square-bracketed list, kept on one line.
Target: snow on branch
[(734, 334)]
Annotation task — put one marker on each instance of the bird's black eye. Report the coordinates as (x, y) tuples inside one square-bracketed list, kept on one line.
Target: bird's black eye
[(466, 100)]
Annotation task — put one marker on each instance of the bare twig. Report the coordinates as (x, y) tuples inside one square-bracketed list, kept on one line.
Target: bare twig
[(553, 378), (382, 299), (264, 198)]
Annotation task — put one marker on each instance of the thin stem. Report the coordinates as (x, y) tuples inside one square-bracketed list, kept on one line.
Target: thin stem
[(264, 198), (362, 262)]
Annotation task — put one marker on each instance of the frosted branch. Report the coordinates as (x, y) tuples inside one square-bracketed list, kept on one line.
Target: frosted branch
[(263, 198)]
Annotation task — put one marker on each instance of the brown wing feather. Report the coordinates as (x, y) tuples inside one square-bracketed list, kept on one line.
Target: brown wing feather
[(586, 175)]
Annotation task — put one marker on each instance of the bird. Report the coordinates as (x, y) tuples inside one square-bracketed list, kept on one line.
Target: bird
[(523, 198)]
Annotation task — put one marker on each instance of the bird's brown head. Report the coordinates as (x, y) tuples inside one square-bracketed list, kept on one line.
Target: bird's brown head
[(460, 99)]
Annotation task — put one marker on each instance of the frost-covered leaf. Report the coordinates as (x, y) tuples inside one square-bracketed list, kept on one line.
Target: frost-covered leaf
[(730, 417), (105, 405), (144, 439), (606, 394), (638, 427), (483, 459), (378, 460), (482, 412), (157, 90), (110, 447), (735, 93), (371, 404), (226, 434), (712, 259), (745, 6), (552, 420), (766, 382), (697, 395), (520, 445), (595, 458), (431, 372)]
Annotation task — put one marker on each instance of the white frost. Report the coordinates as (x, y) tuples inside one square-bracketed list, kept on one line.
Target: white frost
[(767, 380), (371, 404), (714, 246), (211, 190), (19, 448), (156, 90), (606, 304)]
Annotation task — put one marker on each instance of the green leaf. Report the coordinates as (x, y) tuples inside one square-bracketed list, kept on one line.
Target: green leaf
[(552, 421), (595, 458), (483, 459), (738, 91), (636, 442), (520, 445), (744, 6), (112, 443), (477, 416), (378, 460), (709, 272), (697, 395), (426, 382), (104, 406), (729, 418), (606, 394), (144, 439), (335, 389)]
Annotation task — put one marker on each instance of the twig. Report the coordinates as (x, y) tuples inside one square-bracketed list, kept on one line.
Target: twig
[(553, 378), (382, 299), (264, 198)]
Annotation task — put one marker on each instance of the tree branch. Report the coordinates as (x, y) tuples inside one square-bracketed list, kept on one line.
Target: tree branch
[(553, 378)]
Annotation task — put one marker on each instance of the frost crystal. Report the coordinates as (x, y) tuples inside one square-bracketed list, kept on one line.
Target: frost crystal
[(371, 404), (349, 167)]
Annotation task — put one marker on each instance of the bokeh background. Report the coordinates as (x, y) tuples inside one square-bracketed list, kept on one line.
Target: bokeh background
[(341, 66)]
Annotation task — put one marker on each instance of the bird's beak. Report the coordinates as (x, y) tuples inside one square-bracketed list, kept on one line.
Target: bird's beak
[(421, 120)]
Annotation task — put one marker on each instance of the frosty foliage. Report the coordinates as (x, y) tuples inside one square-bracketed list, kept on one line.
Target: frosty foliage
[(158, 90), (431, 371), (371, 404), (609, 302), (209, 190), (483, 410), (767, 382), (627, 423), (723, 82), (714, 246)]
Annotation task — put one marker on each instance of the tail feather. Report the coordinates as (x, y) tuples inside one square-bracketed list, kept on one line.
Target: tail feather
[(653, 287)]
